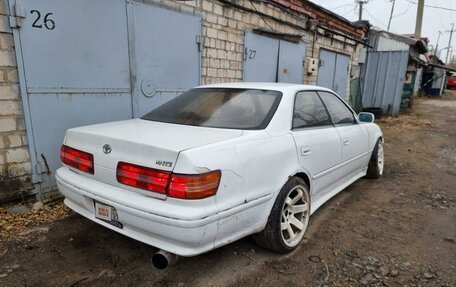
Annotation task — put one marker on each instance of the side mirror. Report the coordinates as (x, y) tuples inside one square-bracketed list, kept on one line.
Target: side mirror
[(366, 117)]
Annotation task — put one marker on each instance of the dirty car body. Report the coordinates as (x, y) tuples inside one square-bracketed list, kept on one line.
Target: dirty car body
[(206, 168)]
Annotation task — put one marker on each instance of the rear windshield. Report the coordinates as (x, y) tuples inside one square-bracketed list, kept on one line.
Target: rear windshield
[(219, 108)]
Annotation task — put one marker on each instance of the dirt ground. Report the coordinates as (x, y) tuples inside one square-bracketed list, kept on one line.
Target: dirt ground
[(396, 231)]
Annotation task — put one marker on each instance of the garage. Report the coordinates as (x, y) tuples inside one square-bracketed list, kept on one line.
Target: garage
[(129, 63), (269, 59), (333, 71)]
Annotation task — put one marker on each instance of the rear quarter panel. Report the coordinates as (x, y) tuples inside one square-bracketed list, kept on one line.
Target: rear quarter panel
[(254, 167)]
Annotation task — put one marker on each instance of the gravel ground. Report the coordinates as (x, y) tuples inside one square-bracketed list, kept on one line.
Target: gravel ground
[(399, 230)]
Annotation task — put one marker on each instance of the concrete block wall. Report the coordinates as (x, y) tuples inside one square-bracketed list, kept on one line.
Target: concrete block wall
[(15, 166), (223, 36), (335, 46), (223, 32)]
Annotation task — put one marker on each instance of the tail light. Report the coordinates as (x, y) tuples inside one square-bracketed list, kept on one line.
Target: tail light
[(194, 186), (142, 177), (78, 159), (197, 186)]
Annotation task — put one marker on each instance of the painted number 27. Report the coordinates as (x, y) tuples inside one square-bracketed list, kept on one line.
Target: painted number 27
[(47, 21), (251, 54)]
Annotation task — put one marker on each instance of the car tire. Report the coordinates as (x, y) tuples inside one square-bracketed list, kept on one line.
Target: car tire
[(289, 218), (376, 162)]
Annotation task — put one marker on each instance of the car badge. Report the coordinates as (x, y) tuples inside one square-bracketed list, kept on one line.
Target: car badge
[(107, 149)]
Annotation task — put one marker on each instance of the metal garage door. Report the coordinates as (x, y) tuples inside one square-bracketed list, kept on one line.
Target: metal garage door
[(260, 58), (291, 62), (383, 79), (166, 55), (78, 63), (273, 60), (333, 72), (75, 71)]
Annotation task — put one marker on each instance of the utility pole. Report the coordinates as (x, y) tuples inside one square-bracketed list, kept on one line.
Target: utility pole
[(361, 4), (450, 59), (446, 58), (437, 44), (419, 19), (449, 43), (391, 15)]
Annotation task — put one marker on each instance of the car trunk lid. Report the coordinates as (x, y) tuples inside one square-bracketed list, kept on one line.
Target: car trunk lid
[(140, 142)]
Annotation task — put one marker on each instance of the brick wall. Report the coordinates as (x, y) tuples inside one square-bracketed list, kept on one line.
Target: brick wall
[(15, 167), (224, 26)]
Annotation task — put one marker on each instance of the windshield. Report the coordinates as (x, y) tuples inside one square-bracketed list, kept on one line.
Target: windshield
[(219, 108)]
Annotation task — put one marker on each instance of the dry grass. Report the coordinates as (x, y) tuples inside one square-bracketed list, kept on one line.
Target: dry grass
[(15, 226)]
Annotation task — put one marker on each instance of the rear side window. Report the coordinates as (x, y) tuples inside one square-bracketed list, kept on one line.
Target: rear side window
[(309, 111), (219, 108), (339, 112)]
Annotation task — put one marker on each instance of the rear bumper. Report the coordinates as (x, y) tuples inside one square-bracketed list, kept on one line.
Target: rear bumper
[(182, 237), (185, 229)]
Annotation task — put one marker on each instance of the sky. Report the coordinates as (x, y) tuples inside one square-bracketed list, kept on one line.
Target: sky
[(404, 17)]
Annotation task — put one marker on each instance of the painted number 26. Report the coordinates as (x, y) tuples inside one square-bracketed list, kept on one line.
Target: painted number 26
[(47, 21)]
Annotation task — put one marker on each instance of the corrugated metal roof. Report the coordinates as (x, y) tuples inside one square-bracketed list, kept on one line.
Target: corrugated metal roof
[(374, 35), (385, 44), (382, 41)]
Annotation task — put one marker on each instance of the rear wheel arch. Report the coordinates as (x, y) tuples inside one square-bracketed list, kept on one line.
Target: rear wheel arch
[(278, 235), (375, 166), (304, 177), (378, 138), (300, 174)]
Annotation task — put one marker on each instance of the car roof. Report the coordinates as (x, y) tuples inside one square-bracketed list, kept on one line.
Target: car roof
[(283, 87)]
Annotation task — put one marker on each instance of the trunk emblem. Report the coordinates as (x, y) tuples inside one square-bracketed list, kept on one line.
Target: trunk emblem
[(107, 149)]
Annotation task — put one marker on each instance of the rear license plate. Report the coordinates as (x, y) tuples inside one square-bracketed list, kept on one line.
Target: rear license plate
[(107, 213)]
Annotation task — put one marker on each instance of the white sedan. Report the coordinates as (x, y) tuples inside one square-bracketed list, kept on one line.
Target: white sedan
[(218, 163)]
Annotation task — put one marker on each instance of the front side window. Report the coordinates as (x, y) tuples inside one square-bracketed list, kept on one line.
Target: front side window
[(309, 111), (339, 112), (219, 108)]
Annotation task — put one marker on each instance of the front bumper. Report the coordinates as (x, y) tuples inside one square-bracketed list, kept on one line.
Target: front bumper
[(180, 236)]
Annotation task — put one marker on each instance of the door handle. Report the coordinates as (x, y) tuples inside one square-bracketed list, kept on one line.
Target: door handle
[(305, 150), (346, 141)]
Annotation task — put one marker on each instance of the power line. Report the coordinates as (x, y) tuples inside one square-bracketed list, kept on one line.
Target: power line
[(264, 20), (432, 6), (384, 25), (338, 7), (440, 19), (346, 13), (402, 13)]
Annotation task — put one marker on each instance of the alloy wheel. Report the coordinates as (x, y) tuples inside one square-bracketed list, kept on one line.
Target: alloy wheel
[(295, 216), (380, 158)]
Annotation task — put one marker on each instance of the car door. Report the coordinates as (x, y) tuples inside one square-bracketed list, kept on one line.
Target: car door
[(354, 137), (317, 141)]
